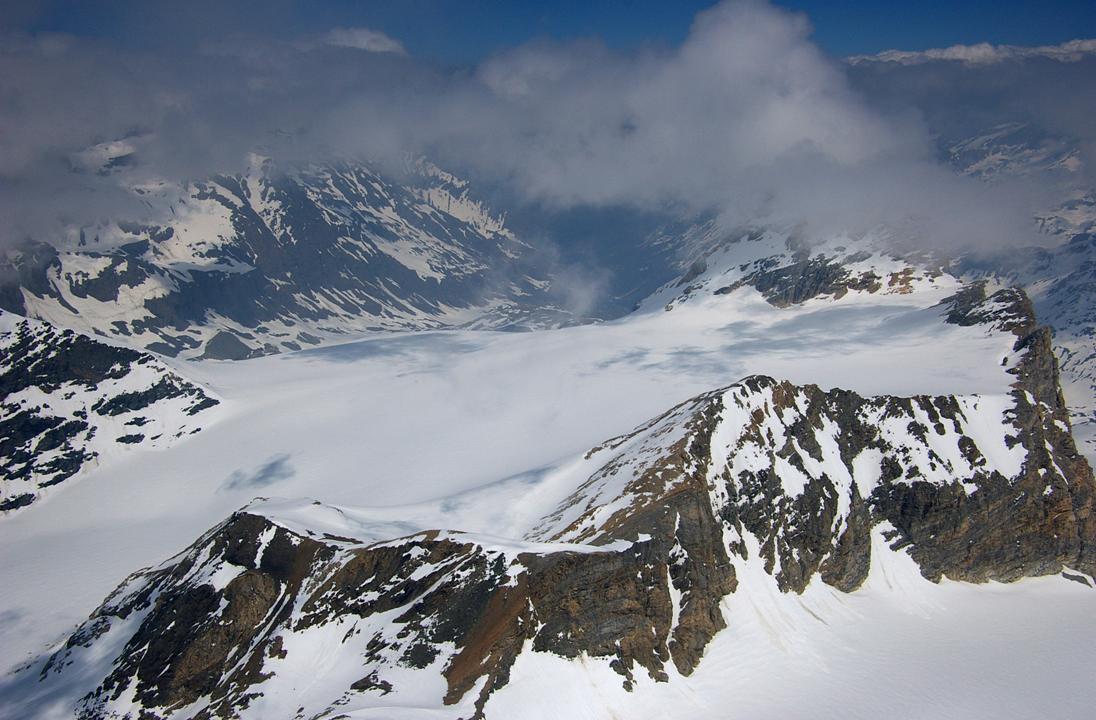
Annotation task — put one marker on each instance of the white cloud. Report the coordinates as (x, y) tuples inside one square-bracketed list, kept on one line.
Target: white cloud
[(361, 38), (984, 53)]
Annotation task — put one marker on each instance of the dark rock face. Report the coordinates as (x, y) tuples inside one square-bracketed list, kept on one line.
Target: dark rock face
[(45, 373), (805, 279), (787, 270), (26, 270), (451, 599), (226, 346), (631, 568), (1031, 524), (193, 632)]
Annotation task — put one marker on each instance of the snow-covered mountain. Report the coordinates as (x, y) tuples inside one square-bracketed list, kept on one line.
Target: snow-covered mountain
[(270, 448), (70, 402), (1016, 116), (273, 260), (756, 490), (1059, 276), (1014, 149)]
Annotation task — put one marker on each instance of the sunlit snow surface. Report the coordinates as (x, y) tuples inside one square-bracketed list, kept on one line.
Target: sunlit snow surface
[(484, 432)]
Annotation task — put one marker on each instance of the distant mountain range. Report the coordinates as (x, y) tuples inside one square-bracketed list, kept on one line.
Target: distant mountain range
[(274, 260), (982, 54)]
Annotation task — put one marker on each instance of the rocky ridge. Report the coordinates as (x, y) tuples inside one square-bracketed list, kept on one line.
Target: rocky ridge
[(68, 401), (1060, 274), (630, 570), (1062, 282), (787, 269)]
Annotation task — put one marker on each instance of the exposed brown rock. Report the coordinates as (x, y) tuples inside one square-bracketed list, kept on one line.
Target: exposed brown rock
[(1009, 528)]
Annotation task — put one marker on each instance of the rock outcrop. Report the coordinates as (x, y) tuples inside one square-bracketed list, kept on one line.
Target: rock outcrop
[(788, 270), (67, 399)]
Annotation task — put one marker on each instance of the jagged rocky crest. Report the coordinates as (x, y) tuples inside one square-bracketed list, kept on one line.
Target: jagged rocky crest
[(67, 400), (1059, 273), (1063, 286), (631, 569)]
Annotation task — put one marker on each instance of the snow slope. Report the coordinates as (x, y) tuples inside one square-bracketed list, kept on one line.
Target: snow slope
[(898, 647)]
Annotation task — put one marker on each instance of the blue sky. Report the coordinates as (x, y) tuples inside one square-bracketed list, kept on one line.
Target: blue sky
[(464, 31)]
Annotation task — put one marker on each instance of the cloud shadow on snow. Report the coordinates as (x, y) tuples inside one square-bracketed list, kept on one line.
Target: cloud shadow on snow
[(404, 346), (274, 470)]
